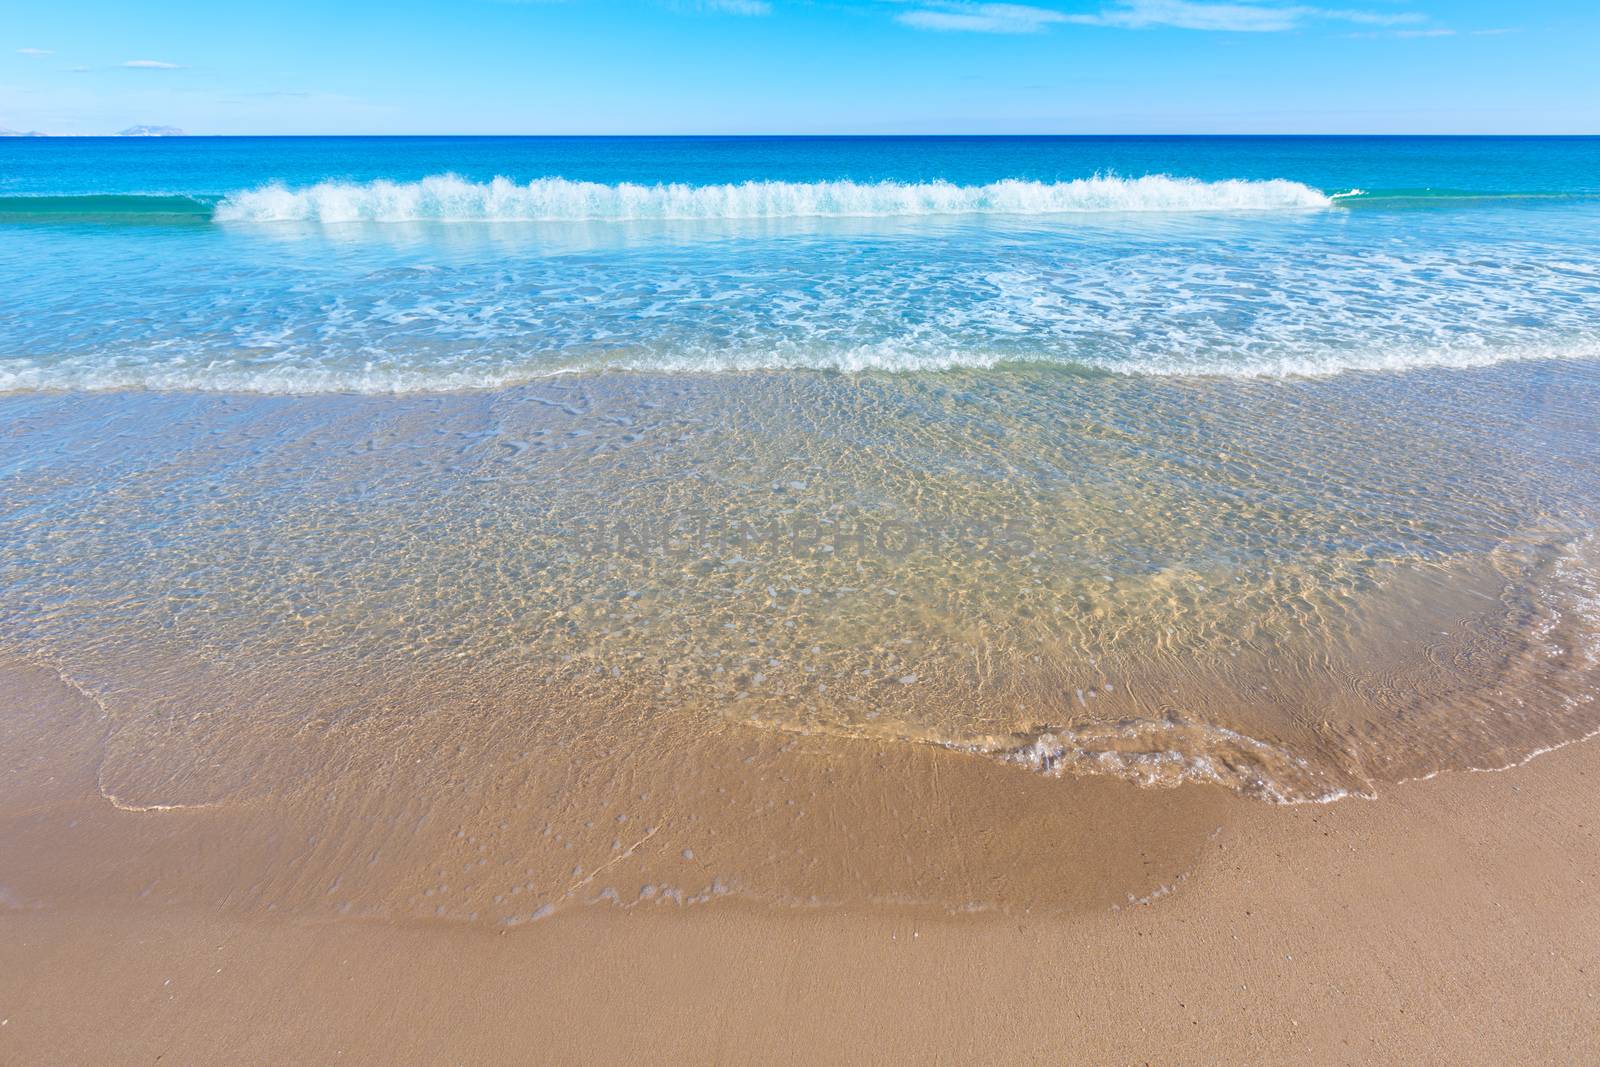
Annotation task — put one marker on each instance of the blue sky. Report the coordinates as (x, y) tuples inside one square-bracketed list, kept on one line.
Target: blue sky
[(792, 66)]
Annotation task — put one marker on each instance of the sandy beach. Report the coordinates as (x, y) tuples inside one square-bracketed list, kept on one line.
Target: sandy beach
[(1455, 919), (816, 600)]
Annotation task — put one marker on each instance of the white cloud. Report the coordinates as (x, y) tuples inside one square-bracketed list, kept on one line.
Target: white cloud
[(151, 64), (35, 52), (734, 7), (981, 18), (1369, 18), (1189, 15), (1230, 18), (955, 15)]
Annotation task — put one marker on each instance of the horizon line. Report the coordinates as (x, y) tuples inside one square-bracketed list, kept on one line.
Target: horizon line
[(32, 135)]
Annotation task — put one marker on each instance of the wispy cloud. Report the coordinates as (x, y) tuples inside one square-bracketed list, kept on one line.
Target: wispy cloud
[(961, 16), (981, 18), (35, 52), (729, 7), (1233, 18), (151, 64), (1421, 32)]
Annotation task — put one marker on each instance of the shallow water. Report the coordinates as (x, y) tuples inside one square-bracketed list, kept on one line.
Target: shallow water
[(1291, 588), (530, 532)]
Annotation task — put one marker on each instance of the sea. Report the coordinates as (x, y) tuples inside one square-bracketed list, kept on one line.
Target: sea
[(326, 264), (1261, 464)]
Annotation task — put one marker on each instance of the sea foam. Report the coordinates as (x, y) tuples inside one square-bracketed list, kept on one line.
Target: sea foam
[(450, 198)]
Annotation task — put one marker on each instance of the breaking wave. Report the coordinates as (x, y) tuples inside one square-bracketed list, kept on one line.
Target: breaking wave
[(450, 198)]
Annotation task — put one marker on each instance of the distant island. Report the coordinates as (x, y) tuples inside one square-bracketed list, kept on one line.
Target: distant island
[(131, 131)]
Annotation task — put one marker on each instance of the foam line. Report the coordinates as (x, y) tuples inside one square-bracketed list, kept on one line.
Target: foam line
[(449, 198)]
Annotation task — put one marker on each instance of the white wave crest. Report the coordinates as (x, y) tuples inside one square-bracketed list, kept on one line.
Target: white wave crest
[(305, 376), (450, 198)]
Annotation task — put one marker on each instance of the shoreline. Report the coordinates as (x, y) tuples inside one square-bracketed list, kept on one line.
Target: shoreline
[(1446, 919), (1451, 919), (1142, 579), (359, 694), (598, 601)]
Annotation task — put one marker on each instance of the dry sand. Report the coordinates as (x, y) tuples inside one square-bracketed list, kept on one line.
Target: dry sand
[(1451, 920)]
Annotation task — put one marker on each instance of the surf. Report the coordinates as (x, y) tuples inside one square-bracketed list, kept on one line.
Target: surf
[(448, 198)]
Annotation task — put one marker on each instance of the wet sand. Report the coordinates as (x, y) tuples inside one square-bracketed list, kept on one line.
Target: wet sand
[(1449, 920)]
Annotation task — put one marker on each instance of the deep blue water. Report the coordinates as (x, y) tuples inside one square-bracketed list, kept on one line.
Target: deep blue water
[(217, 165)]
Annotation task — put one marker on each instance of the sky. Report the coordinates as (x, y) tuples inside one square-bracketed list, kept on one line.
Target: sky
[(803, 66)]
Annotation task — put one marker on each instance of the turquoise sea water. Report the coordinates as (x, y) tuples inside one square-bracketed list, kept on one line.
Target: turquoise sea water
[(1269, 463), (401, 264)]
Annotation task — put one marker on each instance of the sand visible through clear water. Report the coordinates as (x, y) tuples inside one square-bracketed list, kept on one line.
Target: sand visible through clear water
[(540, 630)]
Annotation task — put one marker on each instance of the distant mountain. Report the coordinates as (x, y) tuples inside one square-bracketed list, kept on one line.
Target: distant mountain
[(18, 133), (151, 131)]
